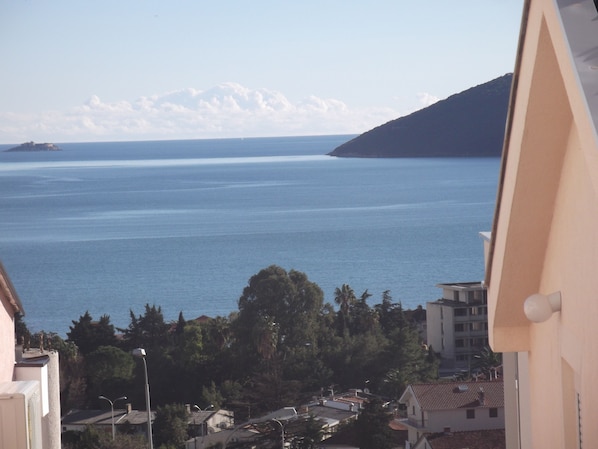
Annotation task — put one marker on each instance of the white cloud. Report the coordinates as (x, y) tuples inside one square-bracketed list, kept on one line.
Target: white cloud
[(226, 110), (426, 99)]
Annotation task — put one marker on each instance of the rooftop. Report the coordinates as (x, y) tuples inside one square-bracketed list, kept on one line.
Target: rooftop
[(103, 417), (331, 416), (454, 395), (479, 439), (462, 285)]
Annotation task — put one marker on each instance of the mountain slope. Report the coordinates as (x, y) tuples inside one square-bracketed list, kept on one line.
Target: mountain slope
[(468, 124)]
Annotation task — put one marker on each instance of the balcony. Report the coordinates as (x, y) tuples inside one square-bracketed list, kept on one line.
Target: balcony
[(415, 424)]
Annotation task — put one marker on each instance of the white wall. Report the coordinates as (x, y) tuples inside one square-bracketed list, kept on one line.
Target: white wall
[(457, 420), (7, 341)]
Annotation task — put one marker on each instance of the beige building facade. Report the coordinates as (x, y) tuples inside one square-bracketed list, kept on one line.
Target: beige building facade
[(542, 256)]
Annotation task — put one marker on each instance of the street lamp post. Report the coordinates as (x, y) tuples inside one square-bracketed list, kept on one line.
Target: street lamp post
[(203, 430), (281, 430), (140, 352), (122, 398)]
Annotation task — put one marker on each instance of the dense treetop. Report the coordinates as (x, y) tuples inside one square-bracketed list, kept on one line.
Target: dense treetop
[(282, 347)]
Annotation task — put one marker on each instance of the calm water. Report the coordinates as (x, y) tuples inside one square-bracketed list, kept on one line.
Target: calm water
[(108, 227)]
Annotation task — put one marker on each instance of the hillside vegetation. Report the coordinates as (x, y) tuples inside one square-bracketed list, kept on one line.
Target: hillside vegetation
[(467, 124)]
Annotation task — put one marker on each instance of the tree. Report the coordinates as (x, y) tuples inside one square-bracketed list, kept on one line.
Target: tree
[(189, 348), (363, 319), (89, 335), (73, 382), (372, 427), (148, 331), (108, 367), (179, 328), (344, 297), (22, 333), (217, 333), (487, 361), (212, 395), (408, 360), (91, 438), (390, 314), (170, 426), (278, 314), (304, 433)]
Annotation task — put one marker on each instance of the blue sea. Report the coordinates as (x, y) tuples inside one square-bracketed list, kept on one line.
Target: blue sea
[(109, 227)]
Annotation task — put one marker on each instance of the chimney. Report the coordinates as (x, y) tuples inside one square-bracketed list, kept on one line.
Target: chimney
[(447, 431), (128, 407), (188, 408), (481, 396)]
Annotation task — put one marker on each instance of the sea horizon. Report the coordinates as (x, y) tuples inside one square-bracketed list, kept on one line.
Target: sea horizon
[(282, 136), (183, 224)]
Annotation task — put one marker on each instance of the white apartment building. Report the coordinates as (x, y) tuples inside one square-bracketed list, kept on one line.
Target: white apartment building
[(457, 325)]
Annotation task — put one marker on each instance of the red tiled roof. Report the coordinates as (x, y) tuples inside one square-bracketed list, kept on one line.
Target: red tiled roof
[(478, 439), (452, 395), (395, 424)]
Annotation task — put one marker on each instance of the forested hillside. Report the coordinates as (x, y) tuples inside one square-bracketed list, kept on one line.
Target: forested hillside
[(467, 124)]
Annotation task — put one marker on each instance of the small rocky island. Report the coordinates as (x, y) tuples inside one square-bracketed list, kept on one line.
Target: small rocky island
[(31, 146)]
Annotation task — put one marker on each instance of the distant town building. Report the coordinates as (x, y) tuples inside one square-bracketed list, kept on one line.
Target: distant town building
[(134, 420), (452, 407), (457, 325)]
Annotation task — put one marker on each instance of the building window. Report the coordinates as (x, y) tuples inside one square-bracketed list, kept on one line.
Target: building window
[(459, 327), (478, 326), (460, 343), (460, 312), (471, 414), (456, 295), (493, 412), (412, 410)]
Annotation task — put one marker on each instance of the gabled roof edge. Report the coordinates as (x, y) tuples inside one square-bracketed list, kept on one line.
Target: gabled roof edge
[(508, 129), (9, 291)]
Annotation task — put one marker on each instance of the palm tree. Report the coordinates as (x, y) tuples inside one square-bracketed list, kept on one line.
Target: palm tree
[(487, 361), (344, 297), (266, 337)]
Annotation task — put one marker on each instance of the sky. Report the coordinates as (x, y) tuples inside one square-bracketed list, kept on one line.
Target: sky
[(121, 70)]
